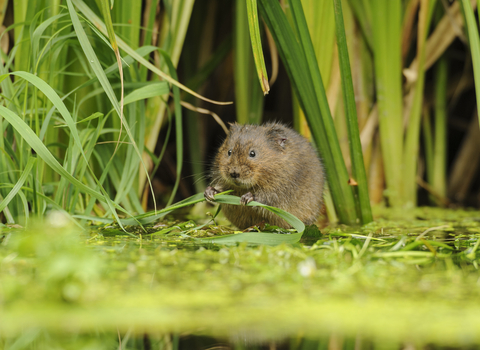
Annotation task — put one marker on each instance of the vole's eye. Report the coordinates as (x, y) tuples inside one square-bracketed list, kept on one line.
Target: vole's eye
[(229, 152), (252, 154)]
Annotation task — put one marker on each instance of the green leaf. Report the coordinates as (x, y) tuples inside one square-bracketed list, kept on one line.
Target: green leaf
[(255, 238), (291, 219), (151, 90), (249, 237)]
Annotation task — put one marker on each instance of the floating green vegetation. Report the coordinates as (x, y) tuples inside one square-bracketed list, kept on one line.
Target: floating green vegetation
[(397, 280)]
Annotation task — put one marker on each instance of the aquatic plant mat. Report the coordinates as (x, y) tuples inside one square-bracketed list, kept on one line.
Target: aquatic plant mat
[(413, 280)]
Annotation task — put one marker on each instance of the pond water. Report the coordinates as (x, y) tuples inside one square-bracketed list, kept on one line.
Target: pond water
[(406, 280)]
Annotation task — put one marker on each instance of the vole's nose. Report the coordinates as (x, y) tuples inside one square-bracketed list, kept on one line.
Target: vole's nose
[(234, 175)]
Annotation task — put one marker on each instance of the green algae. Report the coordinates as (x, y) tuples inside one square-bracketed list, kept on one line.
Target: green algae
[(412, 279)]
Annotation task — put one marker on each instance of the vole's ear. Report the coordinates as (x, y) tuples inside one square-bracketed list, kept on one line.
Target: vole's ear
[(233, 127), (277, 135)]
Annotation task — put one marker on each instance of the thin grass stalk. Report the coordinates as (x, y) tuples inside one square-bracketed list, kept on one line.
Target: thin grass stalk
[(246, 86), (413, 130), (248, 95), (386, 29), (93, 60), (330, 206), (304, 74), (410, 16), (376, 175), (363, 82), (96, 67), (428, 148), (172, 36), (356, 154), (363, 14), (322, 32), (178, 125), (111, 36), (5, 159), (466, 163), (198, 61), (439, 178), (181, 14), (44, 64), (474, 41), (127, 15), (42, 150), (444, 33), (54, 63), (15, 189), (23, 12), (36, 208), (149, 33)]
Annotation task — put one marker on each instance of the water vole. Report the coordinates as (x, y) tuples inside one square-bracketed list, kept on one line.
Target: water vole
[(271, 164)]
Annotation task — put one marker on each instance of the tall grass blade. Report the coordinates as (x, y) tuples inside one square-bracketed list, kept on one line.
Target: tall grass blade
[(248, 96), (321, 26), (257, 45), (23, 11), (386, 29), (356, 154), (127, 16), (413, 130), (474, 41), (149, 31), (111, 36)]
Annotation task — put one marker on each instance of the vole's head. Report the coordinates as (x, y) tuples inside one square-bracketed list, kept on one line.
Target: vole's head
[(251, 154)]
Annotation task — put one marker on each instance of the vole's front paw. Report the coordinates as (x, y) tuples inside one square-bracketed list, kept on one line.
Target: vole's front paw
[(209, 193), (247, 198)]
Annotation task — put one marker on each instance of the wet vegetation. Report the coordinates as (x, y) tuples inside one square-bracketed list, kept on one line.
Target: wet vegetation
[(404, 281)]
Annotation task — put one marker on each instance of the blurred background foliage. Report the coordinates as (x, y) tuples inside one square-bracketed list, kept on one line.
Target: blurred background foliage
[(411, 71)]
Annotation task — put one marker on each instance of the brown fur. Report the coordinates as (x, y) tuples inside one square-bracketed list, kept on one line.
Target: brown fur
[(285, 173)]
